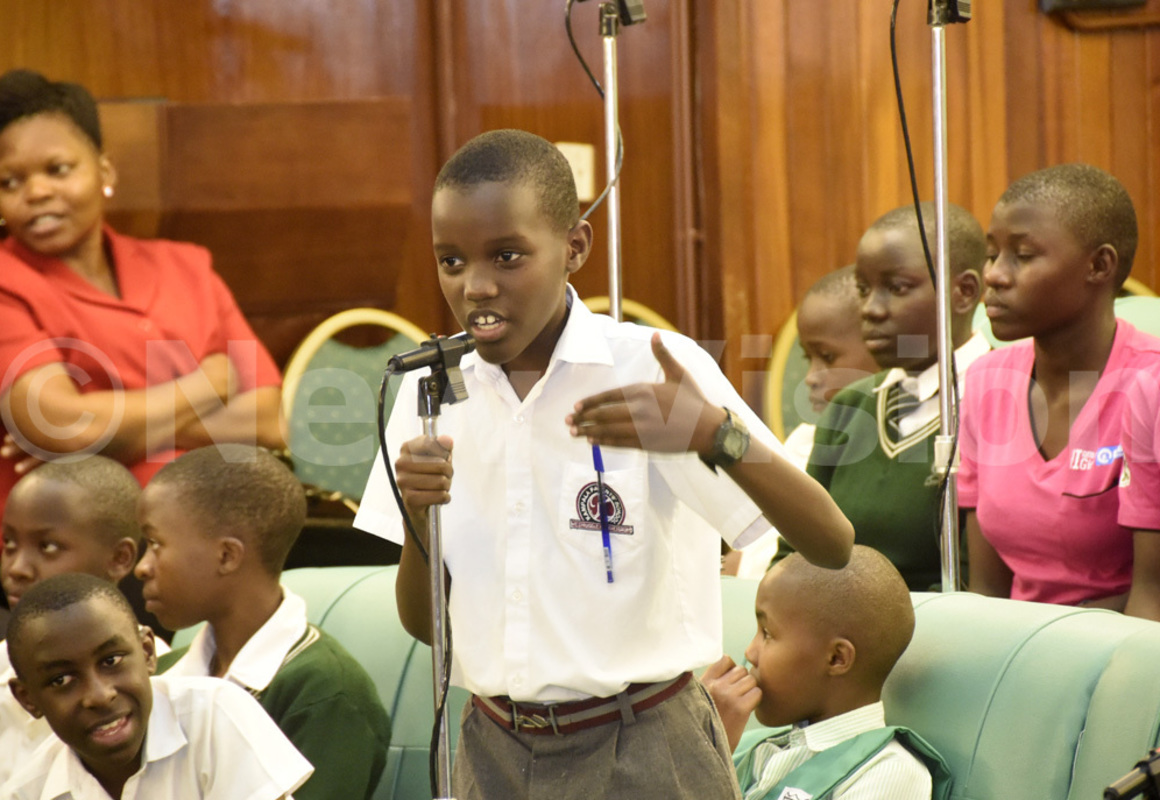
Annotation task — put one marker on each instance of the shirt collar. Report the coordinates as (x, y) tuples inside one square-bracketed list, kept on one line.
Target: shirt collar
[(924, 385), (580, 343), (163, 737), (260, 658), (829, 732)]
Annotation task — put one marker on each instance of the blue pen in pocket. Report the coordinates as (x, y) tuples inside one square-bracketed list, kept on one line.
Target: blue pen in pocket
[(598, 462)]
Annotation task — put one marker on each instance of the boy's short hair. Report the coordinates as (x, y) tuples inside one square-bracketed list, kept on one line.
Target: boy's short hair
[(867, 602), (24, 93), (56, 594), (839, 284), (967, 242), (1090, 202), (241, 489), (111, 494), (515, 156)]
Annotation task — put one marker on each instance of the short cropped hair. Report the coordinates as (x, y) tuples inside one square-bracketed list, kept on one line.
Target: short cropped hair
[(24, 93), (242, 490), (110, 494), (515, 156), (866, 602), (56, 594), (1090, 202), (839, 284), (967, 242)]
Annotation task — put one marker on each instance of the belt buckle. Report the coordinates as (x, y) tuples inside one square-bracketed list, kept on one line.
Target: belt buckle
[(536, 721)]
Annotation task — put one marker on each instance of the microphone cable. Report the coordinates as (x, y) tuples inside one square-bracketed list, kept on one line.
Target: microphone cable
[(944, 482), (600, 91), (445, 679)]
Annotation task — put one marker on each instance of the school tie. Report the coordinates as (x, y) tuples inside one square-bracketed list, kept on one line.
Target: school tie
[(899, 403)]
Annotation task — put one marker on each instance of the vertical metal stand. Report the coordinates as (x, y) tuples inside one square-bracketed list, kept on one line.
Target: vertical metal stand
[(945, 454), (430, 396), (609, 29)]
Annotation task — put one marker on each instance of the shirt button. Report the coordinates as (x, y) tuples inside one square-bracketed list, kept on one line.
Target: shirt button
[(519, 419), (517, 680), (145, 325), (518, 508), (517, 596)]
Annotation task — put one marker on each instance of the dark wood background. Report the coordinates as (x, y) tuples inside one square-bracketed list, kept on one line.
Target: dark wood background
[(299, 139)]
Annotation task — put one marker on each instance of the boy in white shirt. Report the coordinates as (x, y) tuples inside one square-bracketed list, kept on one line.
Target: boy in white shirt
[(83, 663)]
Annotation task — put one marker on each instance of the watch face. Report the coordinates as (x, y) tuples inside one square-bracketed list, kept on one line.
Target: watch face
[(735, 443)]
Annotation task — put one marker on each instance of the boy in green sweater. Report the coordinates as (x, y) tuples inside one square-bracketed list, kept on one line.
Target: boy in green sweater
[(218, 523)]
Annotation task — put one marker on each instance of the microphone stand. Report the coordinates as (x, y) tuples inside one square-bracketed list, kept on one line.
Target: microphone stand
[(609, 29), (1143, 781), (443, 385), (939, 14)]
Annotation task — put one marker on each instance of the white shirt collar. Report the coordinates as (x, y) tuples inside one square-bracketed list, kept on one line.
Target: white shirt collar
[(163, 737), (825, 734), (924, 385), (260, 658)]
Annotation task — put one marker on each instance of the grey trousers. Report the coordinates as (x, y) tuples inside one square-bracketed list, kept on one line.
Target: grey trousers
[(674, 751)]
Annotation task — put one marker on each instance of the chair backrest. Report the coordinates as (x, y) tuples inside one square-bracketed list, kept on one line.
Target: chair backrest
[(631, 310), (330, 398), (785, 378)]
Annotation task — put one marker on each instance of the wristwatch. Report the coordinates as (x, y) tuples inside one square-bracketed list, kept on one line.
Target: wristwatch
[(729, 444)]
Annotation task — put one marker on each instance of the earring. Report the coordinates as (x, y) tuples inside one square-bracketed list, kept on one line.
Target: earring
[(107, 191)]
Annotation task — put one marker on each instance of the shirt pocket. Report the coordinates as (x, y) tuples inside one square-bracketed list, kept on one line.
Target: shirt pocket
[(625, 499)]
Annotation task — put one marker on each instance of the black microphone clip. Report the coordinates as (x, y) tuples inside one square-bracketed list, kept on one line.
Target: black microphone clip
[(442, 354)]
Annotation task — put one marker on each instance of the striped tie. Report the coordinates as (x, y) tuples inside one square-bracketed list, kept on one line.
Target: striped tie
[(899, 403)]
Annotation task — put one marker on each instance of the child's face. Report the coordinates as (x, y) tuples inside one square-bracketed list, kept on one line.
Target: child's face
[(51, 179), (899, 312), (1035, 273), (85, 669), (788, 656), (180, 561), (503, 267), (830, 333), (45, 534)]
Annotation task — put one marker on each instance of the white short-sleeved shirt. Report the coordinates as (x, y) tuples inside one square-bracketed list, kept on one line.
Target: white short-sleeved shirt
[(531, 609), (207, 740)]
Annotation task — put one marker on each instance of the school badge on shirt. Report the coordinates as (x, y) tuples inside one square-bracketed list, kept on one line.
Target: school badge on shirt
[(790, 793), (588, 509)]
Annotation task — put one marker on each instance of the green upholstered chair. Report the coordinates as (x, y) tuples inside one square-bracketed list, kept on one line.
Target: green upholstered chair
[(330, 399), (1023, 700)]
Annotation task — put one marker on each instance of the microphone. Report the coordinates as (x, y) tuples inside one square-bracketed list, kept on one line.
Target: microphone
[(1143, 779), (436, 350)]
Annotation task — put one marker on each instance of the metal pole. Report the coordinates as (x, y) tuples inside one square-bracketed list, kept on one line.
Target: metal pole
[(430, 395), (948, 413), (609, 28)]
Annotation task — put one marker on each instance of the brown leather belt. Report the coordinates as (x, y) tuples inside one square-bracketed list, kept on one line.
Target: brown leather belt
[(557, 719)]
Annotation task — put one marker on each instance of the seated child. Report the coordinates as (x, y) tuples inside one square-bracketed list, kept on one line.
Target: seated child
[(1043, 474), (83, 664), (829, 323), (826, 641), (874, 446), (218, 524), (65, 516), (830, 331)]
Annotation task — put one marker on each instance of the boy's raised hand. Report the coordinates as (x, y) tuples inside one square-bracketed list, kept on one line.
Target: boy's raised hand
[(423, 471), (672, 416), (735, 693)]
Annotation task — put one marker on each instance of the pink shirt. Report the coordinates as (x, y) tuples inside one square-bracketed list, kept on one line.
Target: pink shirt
[(1056, 523), (1140, 480)]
